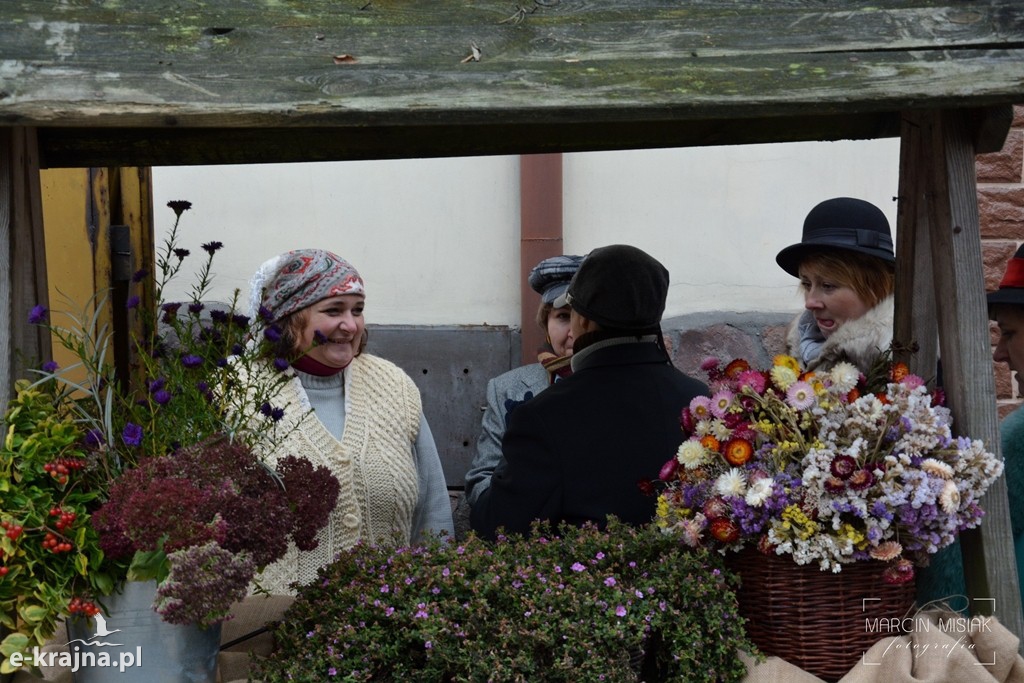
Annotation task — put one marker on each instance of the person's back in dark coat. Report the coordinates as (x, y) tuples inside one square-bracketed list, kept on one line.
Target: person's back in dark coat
[(577, 452)]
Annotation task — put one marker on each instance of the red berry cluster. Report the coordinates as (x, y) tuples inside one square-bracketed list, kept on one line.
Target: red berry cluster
[(54, 544), (61, 467), (64, 519), (13, 530), (86, 608)]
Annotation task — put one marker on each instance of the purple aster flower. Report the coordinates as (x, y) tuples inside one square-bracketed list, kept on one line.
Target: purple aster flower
[(50, 366), (620, 611), (219, 316), (133, 302), (272, 334), (237, 349), (157, 384), (94, 438), (191, 360), (162, 397), (266, 314), (266, 409), (319, 337), (181, 253), (37, 316), (211, 248), (179, 206), (240, 321), (276, 414), (281, 364), (132, 434), (222, 362), (140, 275), (195, 307)]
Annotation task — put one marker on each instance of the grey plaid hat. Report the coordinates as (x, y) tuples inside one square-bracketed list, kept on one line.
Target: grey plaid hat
[(550, 278)]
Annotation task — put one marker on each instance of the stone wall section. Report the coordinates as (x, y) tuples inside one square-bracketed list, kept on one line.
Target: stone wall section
[(1001, 213)]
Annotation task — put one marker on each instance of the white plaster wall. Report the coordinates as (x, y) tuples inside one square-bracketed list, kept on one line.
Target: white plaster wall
[(437, 240)]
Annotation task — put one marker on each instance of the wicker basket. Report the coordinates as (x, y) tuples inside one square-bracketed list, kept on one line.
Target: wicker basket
[(816, 619)]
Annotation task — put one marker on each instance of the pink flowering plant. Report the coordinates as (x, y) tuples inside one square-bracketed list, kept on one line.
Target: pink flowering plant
[(828, 467), (147, 468), (576, 604)]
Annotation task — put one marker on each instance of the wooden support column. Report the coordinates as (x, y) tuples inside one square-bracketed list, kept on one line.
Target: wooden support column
[(22, 258), (948, 151), (540, 192), (914, 323)]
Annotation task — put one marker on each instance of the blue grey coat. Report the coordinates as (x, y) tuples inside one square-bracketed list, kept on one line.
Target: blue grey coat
[(504, 393)]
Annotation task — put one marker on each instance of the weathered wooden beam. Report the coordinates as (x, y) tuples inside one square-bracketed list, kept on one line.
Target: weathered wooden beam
[(66, 147), (914, 324), (990, 566), (369, 80), (22, 258)]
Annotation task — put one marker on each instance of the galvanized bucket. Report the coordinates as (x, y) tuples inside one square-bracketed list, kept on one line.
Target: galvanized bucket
[(134, 645)]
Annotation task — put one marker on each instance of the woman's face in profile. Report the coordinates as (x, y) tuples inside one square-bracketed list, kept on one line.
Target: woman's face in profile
[(339, 319), (833, 303), (559, 331)]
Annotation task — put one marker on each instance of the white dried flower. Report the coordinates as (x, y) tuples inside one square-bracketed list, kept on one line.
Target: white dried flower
[(732, 483)]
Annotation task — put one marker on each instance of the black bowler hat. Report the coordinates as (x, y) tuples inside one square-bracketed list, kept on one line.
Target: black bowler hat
[(1011, 287), (841, 223), (619, 287)]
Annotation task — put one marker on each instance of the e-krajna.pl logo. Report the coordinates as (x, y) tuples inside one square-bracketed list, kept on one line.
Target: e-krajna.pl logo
[(76, 658)]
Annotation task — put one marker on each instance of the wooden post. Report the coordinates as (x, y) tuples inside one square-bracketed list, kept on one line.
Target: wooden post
[(22, 258), (914, 322), (951, 195), (540, 179)]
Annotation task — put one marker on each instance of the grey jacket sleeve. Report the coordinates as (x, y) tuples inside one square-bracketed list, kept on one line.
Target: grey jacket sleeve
[(488, 446), (433, 509)]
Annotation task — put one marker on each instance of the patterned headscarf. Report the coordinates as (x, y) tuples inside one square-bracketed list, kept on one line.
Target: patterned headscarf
[(301, 278)]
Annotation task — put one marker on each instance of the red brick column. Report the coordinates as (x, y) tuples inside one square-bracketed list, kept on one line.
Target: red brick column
[(1001, 211)]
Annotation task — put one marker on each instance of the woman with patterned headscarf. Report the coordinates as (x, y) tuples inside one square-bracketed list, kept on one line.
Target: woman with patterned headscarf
[(366, 424)]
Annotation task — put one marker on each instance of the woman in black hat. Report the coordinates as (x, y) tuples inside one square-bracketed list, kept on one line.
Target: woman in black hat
[(846, 266), (549, 278)]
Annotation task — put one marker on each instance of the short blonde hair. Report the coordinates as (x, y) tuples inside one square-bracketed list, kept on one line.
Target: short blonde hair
[(872, 278)]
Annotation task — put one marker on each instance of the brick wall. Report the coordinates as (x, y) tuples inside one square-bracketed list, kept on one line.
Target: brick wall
[(1001, 211)]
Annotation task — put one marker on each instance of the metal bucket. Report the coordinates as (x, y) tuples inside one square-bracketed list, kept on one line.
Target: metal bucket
[(134, 645)]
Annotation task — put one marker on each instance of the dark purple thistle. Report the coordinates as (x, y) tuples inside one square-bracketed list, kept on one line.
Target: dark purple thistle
[(94, 438), (181, 253), (132, 434), (219, 316), (195, 307), (133, 302), (272, 334), (276, 414), (179, 206), (281, 364), (191, 360), (50, 366), (139, 275), (319, 337), (162, 397), (266, 409), (37, 316), (212, 248)]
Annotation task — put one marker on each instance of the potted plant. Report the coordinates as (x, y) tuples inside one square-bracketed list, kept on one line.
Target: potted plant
[(857, 475), (566, 604), (153, 477)]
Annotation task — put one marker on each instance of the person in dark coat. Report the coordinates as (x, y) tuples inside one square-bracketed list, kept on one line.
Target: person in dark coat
[(576, 452)]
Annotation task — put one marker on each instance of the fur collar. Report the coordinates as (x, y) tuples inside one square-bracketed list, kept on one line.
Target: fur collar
[(858, 341)]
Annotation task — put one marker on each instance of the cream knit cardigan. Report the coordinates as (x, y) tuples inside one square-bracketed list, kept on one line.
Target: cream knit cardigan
[(373, 462)]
